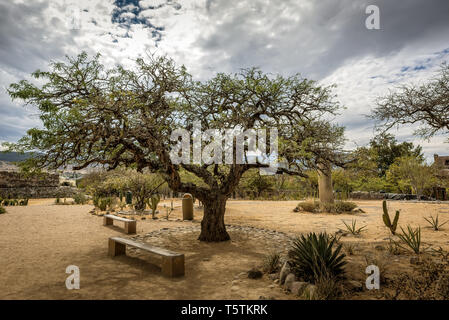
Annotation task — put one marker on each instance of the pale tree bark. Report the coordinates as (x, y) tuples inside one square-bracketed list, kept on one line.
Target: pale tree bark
[(325, 183)]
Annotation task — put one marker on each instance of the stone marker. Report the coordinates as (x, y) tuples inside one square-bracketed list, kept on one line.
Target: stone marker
[(187, 207)]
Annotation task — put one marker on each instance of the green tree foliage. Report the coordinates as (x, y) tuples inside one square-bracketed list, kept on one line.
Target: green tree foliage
[(142, 185), (256, 183), (409, 171), (370, 170), (385, 150)]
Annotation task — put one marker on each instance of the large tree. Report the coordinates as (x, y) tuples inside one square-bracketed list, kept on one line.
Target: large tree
[(426, 105), (385, 149), (125, 117)]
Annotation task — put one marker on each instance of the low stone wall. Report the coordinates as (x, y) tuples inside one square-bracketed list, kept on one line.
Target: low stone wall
[(365, 195), (9, 179), (15, 185), (38, 192)]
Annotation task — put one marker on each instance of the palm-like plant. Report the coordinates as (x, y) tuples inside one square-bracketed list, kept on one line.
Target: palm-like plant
[(411, 238), (353, 229), (314, 256)]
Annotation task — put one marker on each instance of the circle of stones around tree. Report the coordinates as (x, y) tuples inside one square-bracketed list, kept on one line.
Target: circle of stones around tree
[(274, 240)]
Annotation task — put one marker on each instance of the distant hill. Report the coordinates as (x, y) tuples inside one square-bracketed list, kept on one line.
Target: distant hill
[(14, 156)]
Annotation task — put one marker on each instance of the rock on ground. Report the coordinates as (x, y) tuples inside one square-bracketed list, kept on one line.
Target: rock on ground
[(285, 270), (289, 280), (298, 287)]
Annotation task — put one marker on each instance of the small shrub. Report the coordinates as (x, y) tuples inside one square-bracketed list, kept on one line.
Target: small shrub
[(272, 262), (350, 249), (429, 281), (327, 288), (308, 206), (435, 223), (58, 200), (104, 203), (80, 198), (313, 256), (352, 228), (344, 206), (96, 201), (317, 206), (411, 238), (2, 210), (327, 207), (394, 248)]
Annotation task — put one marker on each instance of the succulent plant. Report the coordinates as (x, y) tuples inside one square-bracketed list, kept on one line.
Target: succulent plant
[(314, 256), (154, 201), (387, 220)]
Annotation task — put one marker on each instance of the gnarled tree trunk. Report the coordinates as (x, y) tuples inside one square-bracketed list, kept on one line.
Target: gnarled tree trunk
[(212, 226)]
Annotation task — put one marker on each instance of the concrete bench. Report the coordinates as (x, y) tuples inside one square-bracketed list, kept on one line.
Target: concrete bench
[(171, 263), (130, 225)]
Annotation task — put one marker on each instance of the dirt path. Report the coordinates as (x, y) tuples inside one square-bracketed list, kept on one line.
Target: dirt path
[(38, 242)]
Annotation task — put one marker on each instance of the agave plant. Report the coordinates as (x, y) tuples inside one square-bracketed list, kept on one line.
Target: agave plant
[(353, 229), (314, 256), (411, 238), (435, 223)]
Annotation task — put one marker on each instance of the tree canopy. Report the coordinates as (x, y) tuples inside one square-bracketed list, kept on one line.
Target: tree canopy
[(124, 117), (426, 104)]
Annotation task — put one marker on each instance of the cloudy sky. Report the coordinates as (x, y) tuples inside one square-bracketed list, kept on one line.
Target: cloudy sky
[(325, 40)]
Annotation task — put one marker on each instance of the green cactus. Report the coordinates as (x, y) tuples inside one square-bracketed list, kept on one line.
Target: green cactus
[(154, 201), (386, 218), (129, 197)]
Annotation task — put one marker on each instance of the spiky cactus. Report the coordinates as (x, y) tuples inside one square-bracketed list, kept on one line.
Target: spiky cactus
[(129, 198), (386, 218), (154, 201)]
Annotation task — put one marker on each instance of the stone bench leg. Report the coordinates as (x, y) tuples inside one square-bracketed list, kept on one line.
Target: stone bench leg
[(107, 221), (116, 249), (130, 227), (173, 266)]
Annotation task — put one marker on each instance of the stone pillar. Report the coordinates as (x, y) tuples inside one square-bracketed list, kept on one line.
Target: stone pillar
[(187, 207), (325, 183)]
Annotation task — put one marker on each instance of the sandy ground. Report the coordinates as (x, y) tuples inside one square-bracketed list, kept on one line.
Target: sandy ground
[(38, 242)]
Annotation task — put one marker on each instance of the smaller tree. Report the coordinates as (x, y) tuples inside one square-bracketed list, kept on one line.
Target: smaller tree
[(385, 149), (116, 182), (427, 104), (142, 186), (418, 175), (253, 181)]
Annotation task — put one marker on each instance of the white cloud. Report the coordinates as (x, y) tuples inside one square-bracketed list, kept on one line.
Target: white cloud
[(324, 40)]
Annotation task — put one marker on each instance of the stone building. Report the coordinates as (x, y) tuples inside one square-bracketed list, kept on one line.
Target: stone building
[(442, 163), (14, 184)]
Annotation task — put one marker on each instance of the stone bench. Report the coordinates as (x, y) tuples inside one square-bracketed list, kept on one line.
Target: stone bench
[(171, 263), (130, 225)]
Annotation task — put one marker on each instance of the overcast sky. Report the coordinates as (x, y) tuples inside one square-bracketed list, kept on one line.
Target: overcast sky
[(325, 40)]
